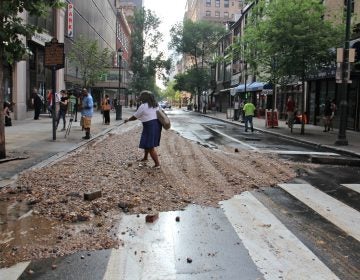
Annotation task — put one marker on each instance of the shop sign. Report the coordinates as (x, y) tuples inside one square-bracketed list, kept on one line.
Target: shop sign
[(41, 38), (70, 20)]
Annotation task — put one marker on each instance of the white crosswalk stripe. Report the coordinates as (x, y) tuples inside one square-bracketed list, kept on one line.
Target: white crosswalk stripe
[(341, 215), (148, 252), (354, 187), (274, 249)]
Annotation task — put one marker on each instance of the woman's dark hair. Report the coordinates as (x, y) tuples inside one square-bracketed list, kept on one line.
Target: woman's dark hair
[(147, 97)]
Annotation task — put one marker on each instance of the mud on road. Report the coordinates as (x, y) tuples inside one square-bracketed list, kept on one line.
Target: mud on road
[(58, 221)]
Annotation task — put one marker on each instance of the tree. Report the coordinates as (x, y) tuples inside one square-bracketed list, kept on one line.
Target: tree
[(197, 41), (12, 47), (146, 63), (91, 61), (287, 39)]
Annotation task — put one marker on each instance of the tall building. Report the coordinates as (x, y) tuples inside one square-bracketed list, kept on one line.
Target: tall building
[(220, 11)]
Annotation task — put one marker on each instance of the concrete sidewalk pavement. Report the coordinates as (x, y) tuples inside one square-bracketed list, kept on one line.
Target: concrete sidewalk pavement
[(313, 135), (30, 142)]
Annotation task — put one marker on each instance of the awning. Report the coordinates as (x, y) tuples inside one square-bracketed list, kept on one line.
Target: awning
[(255, 86), (241, 88)]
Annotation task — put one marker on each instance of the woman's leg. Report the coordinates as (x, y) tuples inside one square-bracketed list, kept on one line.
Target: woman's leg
[(146, 154), (154, 156)]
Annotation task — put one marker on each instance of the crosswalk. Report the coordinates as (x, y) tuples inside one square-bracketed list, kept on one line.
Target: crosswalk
[(244, 238)]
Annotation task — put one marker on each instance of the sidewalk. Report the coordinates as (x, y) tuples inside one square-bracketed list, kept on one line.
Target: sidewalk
[(30, 142), (33, 140), (313, 134)]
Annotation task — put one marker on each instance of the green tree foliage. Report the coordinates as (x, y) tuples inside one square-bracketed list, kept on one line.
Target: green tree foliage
[(196, 41), (287, 39), (12, 33), (146, 62), (91, 61)]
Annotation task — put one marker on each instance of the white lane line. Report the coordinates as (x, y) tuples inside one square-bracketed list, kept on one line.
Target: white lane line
[(354, 187), (232, 138), (299, 153), (148, 251), (338, 213), (13, 272), (276, 252)]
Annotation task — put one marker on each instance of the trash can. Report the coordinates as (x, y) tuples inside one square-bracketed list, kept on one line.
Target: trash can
[(118, 111)]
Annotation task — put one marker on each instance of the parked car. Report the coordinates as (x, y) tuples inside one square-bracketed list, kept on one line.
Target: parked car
[(165, 105)]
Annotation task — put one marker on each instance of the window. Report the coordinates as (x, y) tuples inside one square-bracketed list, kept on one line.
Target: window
[(217, 14), (208, 3), (226, 3), (208, 13), (217, 3), (226, 15)]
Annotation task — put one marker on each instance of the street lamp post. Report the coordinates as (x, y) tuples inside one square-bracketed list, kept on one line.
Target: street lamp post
[(118, 108), (341, 140)]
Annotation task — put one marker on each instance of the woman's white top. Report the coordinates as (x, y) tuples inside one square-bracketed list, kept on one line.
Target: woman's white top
[(144, 113)]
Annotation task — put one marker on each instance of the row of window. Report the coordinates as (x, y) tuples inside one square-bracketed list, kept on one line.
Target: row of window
[(226, 3), (217, 14)]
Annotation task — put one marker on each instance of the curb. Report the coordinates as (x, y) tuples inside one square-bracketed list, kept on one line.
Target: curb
[(292, 138)]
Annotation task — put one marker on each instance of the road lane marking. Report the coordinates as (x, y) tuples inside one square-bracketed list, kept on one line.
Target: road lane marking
[(148, 251), (13, 272), (354, 187), (277, 252), (232, 138), (338, 213)]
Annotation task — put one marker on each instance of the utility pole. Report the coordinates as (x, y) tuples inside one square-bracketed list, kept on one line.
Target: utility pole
[(345, 79)]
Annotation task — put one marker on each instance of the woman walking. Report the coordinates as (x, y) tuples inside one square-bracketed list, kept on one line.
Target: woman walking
[(106, 107), (151, 133)]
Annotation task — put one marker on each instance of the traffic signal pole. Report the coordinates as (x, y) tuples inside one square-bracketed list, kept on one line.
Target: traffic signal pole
[(341, 140)]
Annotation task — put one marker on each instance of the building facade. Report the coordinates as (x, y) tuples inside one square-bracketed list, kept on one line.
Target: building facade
[(318, 88), (220, 11)]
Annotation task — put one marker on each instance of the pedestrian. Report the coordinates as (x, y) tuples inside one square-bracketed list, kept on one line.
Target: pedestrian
[(249, 111), (57, 103), (106, 107), (49, 102), (333, 111), (38, 102), (327, 115), (290, 110), (151, 133), (7, 112), (64, 101), (87, 110)]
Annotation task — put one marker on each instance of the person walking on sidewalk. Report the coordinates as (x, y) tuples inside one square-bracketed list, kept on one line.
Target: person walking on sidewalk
[(327, 115), (106, 107), (151, 133), (87, 110), (64, 99), (249, 110), (290, 111), (38, 102)]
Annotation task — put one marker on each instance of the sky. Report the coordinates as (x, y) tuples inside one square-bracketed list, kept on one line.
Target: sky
[(170, 12)]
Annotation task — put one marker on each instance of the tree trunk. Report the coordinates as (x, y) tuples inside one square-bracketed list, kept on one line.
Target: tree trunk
[(2, 117)]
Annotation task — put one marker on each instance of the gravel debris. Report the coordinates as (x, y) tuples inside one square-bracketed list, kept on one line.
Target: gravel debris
[(189, 173)]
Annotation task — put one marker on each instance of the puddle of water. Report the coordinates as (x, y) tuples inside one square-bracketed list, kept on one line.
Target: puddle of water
[(18, 227)]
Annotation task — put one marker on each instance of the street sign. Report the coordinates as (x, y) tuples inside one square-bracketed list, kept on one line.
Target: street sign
[(54, 54)]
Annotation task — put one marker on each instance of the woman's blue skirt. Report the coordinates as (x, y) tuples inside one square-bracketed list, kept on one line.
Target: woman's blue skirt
[(151, 134)]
